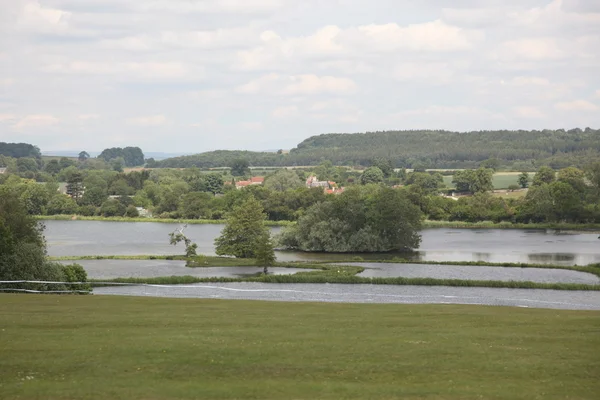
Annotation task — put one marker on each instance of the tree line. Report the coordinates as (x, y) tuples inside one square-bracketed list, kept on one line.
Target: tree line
[(568, 195), (422, 149)]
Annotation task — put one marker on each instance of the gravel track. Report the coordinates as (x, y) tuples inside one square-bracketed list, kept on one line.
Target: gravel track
[(340, 293)]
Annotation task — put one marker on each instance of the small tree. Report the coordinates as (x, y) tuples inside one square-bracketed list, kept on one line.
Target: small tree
[(243, 230), (265, 252), (83, 155), (524, 179), (178, 236)]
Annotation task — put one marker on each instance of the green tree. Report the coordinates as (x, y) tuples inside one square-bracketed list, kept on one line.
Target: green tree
[(178, 236), (243, 230), (371, 175), (75, 186), (61, 204), (83, 156), (574, 177), (283, 180), (265, 252), (65, 162), (22, 244), (428, 183), (385, 165), (239, 167), (524, 179), (362, 219), (94, 196), (543, 175), (52, 167)]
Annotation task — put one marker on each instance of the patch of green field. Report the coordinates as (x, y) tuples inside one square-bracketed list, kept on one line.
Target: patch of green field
[(500, 180), (104, 347)]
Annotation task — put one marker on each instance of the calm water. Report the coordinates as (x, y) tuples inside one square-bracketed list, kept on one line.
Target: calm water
[(76, 238)]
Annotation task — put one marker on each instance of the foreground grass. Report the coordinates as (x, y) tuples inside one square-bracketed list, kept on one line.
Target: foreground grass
[(104, 347)]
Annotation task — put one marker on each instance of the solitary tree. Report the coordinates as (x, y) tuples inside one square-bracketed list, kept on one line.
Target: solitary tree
[(83, 156), (524, 179), (178, 236), (265, 252), (239, 167), (244, 231)]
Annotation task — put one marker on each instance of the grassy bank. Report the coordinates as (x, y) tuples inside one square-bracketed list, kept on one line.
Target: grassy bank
[(426, 224), (345, 276), (140, 219), (104, 347), (510, 225)]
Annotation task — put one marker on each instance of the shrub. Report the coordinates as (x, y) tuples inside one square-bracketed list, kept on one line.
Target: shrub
[(131, 212)]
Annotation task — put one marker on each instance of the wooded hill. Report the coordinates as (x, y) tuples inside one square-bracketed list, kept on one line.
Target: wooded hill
[(422, 149)]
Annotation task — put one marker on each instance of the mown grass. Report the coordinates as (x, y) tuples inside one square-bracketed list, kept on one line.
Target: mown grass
[(105, 347)]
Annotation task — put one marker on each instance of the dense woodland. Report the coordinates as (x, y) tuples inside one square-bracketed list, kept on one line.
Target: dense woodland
[(515, 150)]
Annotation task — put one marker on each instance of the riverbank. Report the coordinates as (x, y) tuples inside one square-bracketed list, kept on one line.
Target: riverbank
[(426, 224)]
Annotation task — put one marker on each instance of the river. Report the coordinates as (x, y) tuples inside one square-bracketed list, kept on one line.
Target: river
[(78, 238)]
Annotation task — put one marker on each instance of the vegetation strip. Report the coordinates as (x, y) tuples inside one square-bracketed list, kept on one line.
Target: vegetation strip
[(426, 224), (213, 261), (345, 278)]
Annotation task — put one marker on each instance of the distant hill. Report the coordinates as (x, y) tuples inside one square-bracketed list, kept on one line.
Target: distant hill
[(427, 148)]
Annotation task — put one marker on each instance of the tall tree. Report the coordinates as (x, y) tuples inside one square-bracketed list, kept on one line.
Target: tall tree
[(524, 179), (240, 167), (265, 252), (75, 186), (83, 155), (283, 180), (243, 230), (543, 175), (371, 175)]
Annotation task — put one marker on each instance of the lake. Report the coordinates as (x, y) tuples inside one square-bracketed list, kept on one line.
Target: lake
[(78, 238)]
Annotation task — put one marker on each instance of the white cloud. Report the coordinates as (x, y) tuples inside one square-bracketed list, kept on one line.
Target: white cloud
[(536, 49), (5, 118), (35, 121), (598, 93), (576, 105), (285, 112), (298, 85), (331, 41), (35, 17), (87, 117), (208, 6), (130, 70), (252, 126), (149, 120), (528, 112), (529, 80)]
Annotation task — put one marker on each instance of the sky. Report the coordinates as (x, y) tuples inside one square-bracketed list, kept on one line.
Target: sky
[(198, 75)]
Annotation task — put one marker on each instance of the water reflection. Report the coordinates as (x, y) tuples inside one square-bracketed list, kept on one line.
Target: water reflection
[(79, 238)]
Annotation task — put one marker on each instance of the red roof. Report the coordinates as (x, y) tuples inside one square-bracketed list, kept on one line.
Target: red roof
[(257, 179), (243, 183)]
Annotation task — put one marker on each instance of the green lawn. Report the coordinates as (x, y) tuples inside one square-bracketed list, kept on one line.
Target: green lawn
[(103, 347)]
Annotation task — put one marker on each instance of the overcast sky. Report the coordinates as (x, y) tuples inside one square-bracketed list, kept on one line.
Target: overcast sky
[(198, 75)]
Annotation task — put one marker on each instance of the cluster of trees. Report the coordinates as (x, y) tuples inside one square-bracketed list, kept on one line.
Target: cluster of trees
[(23, 250), (370, 218), (128, 156), (19, 150), (417, 149)]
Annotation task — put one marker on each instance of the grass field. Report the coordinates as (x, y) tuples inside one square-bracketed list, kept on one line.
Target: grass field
[(501, 180), (93, 347)]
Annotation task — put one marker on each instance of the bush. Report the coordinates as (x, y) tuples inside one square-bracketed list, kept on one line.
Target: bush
[(512, 188), (131, 212), (75, 273), (87, 211)]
